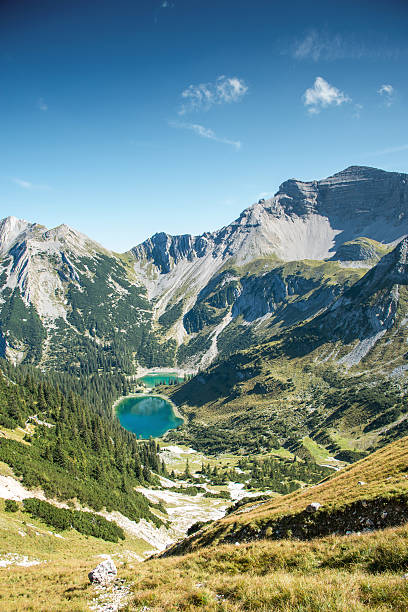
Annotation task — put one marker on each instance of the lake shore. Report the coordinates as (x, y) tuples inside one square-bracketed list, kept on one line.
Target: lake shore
[(174, 408), (175, 371)]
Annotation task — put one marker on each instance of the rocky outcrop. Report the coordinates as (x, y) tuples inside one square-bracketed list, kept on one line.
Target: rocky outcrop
[(359, 250), (165, 251), (103, 573), (11, 229), (315, 521)]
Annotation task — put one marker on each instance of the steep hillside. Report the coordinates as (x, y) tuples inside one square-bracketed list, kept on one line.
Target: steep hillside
[(242, 306), (341, 372), (55, 442), (364, 313), (371, 494)]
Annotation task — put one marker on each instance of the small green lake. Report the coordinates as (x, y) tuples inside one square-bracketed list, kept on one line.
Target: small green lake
[(147, 415), (162, 378)]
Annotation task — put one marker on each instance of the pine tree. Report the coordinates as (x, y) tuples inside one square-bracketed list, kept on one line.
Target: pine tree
[(187, 473)]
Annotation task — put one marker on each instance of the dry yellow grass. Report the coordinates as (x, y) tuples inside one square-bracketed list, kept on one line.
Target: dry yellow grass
[(52, 587), (343, 574), (335, 573)]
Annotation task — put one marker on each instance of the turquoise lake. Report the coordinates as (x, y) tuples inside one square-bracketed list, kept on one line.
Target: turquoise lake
[(164, 378), (147, 416)]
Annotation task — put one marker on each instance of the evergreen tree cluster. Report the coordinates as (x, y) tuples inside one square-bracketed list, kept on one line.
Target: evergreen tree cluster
[(87, 523), (74, 452), (98, 390), (282, 476), (20, 324)]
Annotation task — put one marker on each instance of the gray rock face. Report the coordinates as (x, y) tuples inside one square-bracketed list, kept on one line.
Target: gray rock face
[(165, 250), (103, 573), (271, 292), (303, 220), (391, 270)]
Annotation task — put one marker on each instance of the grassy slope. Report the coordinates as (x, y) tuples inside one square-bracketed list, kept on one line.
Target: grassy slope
[(336, 573), (350, 573), (60, 581), (341, 574), (385, 474), (357, 572), (249, 390)]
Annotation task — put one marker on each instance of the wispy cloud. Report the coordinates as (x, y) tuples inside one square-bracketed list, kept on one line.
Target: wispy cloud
[(387, 92), (323, 46), (388, 151), (205, 95), (204, 132), (357, 111), (42, 105), (162, 5), (264, 195), (322, 95), (318, 46), (30, 186)]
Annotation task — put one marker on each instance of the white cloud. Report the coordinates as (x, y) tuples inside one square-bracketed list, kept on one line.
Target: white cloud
[(387, 92), (29, 185), (42, 105), (205, 133), (223, 91), (324, 46), (318, 46), (386, 89), (322, 95), (398, 149)]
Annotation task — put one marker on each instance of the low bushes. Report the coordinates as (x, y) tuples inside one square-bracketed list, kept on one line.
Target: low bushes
[(84, 522)]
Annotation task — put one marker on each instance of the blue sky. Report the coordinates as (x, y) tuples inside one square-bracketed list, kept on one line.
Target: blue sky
[(123, 118)]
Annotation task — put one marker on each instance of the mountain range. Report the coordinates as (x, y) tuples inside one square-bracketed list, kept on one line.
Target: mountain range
[(178, 300)]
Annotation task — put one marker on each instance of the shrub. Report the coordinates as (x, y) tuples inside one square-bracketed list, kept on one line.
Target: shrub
[(87, 523), (10, 505)]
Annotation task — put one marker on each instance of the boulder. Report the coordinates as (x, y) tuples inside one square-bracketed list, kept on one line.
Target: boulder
[(313, 507), (103, 573)]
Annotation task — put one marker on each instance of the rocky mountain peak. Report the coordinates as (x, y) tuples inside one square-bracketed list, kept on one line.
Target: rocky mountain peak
[(356, 171), (304, 220), (10, 229)]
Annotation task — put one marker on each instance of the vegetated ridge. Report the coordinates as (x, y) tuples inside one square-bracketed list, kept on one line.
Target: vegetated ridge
[(370, 494)]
